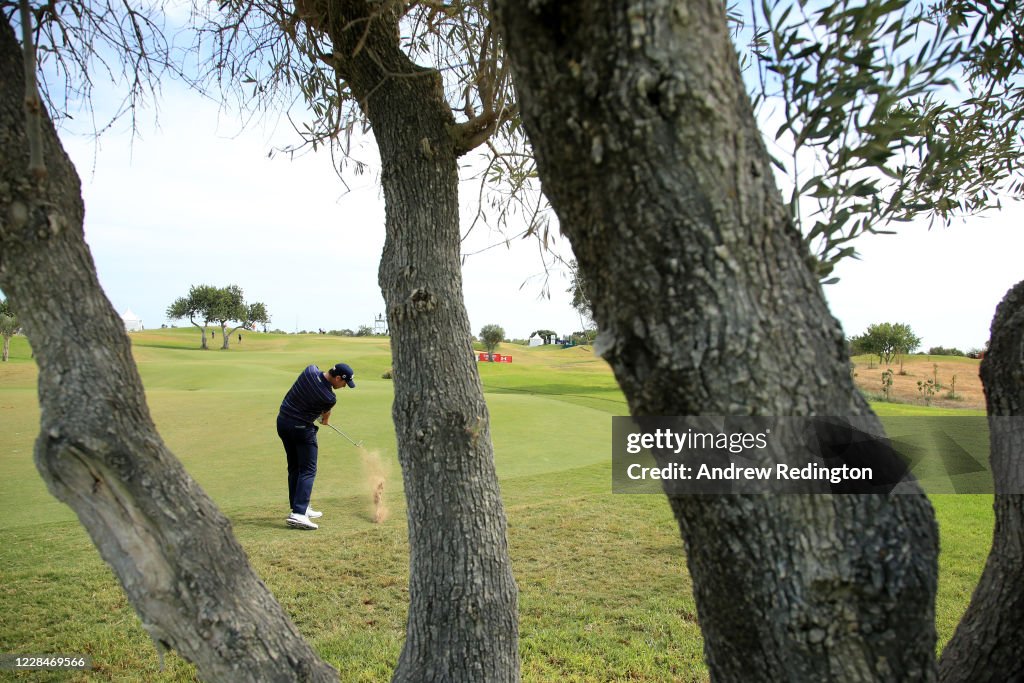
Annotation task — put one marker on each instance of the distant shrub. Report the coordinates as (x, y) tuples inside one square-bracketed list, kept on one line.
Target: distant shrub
[(387, 374), (342, 333), (927, 390), (943, 351), (887, 383)]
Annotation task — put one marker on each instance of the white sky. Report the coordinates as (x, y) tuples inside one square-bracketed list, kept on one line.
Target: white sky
[(195, 200)]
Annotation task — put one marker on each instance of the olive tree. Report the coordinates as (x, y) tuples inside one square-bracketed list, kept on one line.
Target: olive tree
[(648, 149), (428, 80), (649, 152), (463, 613), (98, 449)]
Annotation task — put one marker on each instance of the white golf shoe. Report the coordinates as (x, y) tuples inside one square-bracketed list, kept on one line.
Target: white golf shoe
[(297, 521), (313, 514)]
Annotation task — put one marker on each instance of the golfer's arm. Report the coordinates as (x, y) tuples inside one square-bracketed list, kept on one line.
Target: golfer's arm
[(325, 417)]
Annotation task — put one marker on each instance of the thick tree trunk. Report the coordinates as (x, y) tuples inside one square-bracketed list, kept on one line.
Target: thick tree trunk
[(987, 643), (170, 547), (462, 623), (648, 150)]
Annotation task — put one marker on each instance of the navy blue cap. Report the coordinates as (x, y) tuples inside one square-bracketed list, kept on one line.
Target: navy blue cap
[(345, 372)]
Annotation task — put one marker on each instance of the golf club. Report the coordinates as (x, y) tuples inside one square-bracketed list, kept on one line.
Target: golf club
[(354, 443)]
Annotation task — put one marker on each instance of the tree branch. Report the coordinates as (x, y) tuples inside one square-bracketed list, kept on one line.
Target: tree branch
[(33, 105), (469, 135)]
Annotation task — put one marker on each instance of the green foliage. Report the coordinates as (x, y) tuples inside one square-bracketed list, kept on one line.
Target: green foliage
[(9, 326), (198, 306), (583, 337), (873, 125), (578, 287), (491, 336), (943, 351), (886, 340), (364, 331), (228, 304), (973, 155), (887, 383), (207, 303), (845, 73), (927, 389)]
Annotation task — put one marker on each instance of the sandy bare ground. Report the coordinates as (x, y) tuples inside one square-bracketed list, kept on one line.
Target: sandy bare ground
[(969, 393)]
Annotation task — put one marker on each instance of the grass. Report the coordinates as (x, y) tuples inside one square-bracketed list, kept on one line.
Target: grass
[(604, 591)]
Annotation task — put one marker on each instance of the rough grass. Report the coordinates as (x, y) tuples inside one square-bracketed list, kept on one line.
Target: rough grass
[(604, 592)]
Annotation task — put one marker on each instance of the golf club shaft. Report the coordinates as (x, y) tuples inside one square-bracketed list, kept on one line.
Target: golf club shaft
[(343, 434)]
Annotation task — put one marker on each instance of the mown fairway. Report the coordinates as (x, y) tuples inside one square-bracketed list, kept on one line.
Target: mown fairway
[(604, 593)]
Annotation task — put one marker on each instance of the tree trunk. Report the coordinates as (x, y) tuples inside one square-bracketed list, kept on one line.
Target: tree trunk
[(7, 348), (98, 450), (648, 150), (462, 623), (225, 337), (202, 330), (987, 642)]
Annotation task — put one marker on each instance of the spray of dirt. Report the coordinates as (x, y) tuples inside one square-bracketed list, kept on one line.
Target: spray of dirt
[(376, 475)]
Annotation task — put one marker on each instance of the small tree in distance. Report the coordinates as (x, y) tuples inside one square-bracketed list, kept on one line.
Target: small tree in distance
[(221, 304), (9, 327), (197, 306), (491, 336), (230, 306), (888, 341)]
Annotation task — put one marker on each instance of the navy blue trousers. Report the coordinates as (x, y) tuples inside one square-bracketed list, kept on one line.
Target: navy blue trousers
[(300, 446)]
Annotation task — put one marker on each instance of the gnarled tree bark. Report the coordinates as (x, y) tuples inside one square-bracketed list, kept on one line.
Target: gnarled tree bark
[(649, 152), (98, 450), (987, 643)]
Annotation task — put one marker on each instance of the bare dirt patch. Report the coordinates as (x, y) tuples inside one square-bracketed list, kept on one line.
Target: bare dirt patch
[(969, 392)]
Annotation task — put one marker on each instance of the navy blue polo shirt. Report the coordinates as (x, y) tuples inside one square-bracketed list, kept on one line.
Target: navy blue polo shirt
[(310, 396)]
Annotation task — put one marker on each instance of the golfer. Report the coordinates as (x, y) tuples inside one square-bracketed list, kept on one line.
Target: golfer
[(311, 397)]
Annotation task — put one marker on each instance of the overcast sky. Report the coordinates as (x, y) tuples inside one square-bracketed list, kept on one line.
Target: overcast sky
[(194, 199)]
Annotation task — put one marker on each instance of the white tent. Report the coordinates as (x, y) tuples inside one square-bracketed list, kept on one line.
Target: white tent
[(132, 322), (536, 341)]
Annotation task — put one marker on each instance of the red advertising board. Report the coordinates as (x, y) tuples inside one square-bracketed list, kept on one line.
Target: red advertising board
[(498, 358)]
